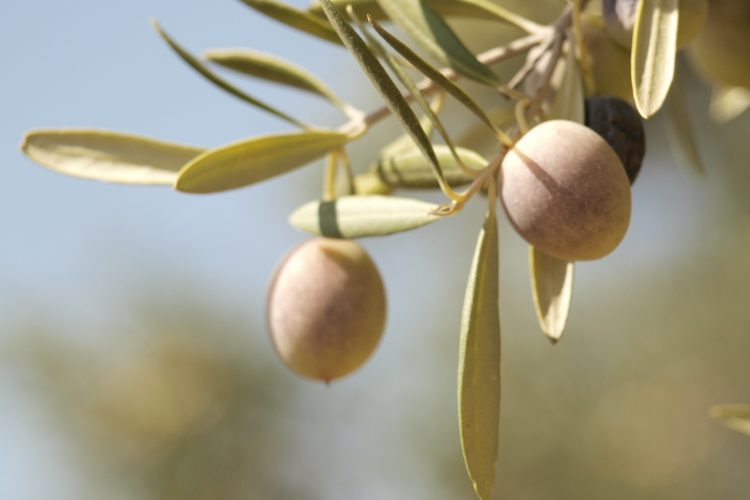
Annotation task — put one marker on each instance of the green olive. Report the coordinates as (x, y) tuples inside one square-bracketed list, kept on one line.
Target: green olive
[(565, 191), (721, 54), (326, 308), (619, 16)]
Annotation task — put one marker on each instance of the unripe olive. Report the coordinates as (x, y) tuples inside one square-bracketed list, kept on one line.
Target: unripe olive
[(565, 191), (621, 126), (619, 16), (610, 63), (721, 54), (326, 308)]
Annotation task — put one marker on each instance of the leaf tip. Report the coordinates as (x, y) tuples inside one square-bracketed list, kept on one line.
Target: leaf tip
[(26, 141), (155, 25)]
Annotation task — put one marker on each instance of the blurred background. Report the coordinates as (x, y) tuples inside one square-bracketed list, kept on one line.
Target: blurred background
[(134, 362)]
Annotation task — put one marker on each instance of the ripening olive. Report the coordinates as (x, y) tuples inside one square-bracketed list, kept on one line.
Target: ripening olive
[(721, 54), (326, 308), (622, 127), (610, 63), (565, 191), (619, 16)]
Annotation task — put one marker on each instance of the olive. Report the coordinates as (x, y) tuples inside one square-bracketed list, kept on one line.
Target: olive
[(326, 308), (565, 191), (622, 127)]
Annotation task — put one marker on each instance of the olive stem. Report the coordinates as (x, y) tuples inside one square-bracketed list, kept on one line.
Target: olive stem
[(520, 110), (347, 164), (476, 185), (329, 183)]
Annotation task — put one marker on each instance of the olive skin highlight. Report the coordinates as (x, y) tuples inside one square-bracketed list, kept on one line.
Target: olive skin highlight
[(565, 191), (326, 308)]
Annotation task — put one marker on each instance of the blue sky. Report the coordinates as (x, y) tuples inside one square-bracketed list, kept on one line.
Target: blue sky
[(99, 64)]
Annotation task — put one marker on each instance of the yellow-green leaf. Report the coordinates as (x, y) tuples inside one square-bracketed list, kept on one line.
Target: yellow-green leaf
[(653, 54), (212, 77), (432, 33), (108, 156), (727, 103), (272, 68), (404, 142), (295, 18), (409, 169), (421, 100), (434, 74), (382, 82), (361, 8), (479, 9), (479, 364), (487, 9), (254, 160), (362, 216), (681, 135), (736, 417), (552, 289)]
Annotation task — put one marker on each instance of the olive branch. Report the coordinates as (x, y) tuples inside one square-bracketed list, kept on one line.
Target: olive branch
[(566, 86)]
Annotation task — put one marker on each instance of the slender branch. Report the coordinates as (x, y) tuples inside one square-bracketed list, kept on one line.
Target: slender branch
[(490, 57), (549, 70)]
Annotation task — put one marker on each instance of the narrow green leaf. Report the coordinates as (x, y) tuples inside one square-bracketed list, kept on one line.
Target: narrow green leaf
[(409, 169), (371, 182), (108, 156), (382, 82), (201, 68), (479, 364), (361, 8), (295, 18), (362, 216), (433, 74), (254, 160), (680, 133), (432, 33), (552, 289), (420, 99), (272, 68), (478, 9), (487, 9), (727, 103), (404, 142), (568, 103), (736, 417), (653, 54)]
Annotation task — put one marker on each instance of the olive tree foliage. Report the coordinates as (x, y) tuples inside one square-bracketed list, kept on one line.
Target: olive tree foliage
[(567, 141)]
